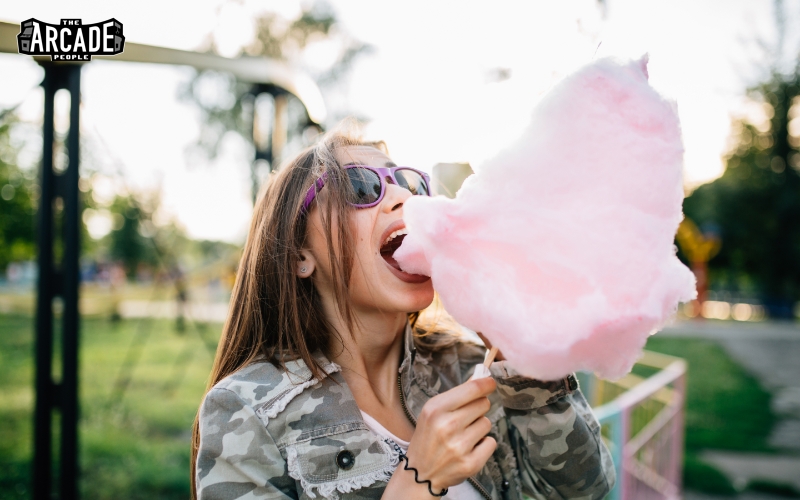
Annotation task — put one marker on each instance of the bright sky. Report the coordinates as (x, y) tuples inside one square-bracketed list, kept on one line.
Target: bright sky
[(426, 88)]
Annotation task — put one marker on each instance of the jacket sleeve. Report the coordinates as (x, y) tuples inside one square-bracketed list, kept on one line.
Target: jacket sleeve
[(555, 437), (237, 457)]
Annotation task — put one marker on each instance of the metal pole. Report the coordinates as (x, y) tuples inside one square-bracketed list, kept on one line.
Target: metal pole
[(271, 151), (56, 281), (280, 130), (676, 466), (70, 270), (42, 435)]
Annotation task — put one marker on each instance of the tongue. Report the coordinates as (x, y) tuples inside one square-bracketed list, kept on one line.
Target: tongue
[(388, 258), (387, 251)]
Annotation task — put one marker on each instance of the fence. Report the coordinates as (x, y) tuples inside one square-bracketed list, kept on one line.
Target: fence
[(642, 419)]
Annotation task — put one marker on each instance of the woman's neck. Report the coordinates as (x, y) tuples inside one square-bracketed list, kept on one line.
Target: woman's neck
[(369, 355), (370, 359), (371, 352)]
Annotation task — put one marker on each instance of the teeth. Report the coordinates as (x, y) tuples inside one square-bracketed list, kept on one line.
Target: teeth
[(394, 235)]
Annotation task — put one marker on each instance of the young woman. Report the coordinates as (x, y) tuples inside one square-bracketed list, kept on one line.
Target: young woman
[(326, 385)]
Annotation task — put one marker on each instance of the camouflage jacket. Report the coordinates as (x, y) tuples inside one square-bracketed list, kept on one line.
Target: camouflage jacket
[(267, 433)]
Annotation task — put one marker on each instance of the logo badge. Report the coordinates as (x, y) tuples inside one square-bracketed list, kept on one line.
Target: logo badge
[(71, 40)]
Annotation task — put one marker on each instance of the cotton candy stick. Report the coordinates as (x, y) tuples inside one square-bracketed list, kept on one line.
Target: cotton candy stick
[(482, 370)]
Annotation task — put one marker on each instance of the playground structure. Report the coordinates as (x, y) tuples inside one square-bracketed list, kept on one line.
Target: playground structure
[(56, 399)]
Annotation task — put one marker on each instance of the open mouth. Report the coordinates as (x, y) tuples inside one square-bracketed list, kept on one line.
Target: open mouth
[(391, 244)]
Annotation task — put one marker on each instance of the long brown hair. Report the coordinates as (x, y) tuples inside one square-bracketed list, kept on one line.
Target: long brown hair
[(274, 314)]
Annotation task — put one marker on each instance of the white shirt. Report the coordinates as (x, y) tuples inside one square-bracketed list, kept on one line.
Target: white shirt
[(461, 491)]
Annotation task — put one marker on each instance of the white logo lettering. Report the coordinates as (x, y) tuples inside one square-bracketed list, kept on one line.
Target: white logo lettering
[(79, 41), (65, 32), (36, 39), (50, 35), (94, 38), (107, 37)]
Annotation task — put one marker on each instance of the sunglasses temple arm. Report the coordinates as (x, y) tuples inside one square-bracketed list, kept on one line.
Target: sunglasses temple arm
[(313, 191)]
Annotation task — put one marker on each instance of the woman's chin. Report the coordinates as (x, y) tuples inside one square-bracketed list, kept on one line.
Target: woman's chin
[(424, 301), (406, 297), (420, 298)]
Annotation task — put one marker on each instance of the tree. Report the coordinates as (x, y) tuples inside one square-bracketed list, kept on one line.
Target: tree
[(125, 242), (18, 194), (755, 205), (227, 104), (136, 240)]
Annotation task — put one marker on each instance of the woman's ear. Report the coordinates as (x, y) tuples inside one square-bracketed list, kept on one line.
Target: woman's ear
[(305, 264)]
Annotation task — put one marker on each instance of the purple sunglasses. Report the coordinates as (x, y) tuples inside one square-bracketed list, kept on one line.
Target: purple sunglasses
[(369, 184)]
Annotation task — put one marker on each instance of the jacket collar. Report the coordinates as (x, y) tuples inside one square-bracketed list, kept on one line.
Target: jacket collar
[(414, 374), (409, 351)]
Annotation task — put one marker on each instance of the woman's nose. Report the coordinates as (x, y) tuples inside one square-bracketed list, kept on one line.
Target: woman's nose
[(395, 196)]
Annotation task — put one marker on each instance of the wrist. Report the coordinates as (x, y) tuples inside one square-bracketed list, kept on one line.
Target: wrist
[(433, 487), (403, 486)]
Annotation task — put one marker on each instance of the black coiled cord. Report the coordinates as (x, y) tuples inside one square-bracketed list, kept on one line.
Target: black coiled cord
[(407, 466)]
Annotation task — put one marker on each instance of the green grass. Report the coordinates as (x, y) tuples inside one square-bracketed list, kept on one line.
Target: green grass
[(726, 409), (135, 446)]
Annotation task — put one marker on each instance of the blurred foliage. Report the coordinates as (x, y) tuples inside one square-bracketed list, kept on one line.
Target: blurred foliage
[(146, 241), (125, 242), (19, 201), (226, 103), (284, 39), (135, 240), (700, 476), (773, 488), (136, 237), (755, 205), (18, 195)]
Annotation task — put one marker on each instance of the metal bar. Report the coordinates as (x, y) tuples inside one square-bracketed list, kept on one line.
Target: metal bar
[(652, 384), (657, 423), (676, 472), (42, 435), (617, 442), (617, 415), (625, 430), (52, 395), (279, 133), (652, 479), (257, 146), (71, 283), (246, 68)]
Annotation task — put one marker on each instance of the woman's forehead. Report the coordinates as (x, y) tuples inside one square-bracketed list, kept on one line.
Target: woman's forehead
[(362, 155)]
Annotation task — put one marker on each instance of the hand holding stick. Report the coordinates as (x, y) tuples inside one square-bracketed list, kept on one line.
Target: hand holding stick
[(482, 370)]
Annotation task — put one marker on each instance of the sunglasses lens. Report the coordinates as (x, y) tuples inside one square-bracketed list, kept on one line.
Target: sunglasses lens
[(366, 186), (412, 181)]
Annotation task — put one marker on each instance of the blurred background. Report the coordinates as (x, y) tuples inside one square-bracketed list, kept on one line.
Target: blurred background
[(171, 156)]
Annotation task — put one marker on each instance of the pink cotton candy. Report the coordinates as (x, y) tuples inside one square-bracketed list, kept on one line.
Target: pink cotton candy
[(560, 249)]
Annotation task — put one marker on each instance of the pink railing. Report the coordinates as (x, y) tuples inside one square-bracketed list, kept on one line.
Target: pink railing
[(642, 420)]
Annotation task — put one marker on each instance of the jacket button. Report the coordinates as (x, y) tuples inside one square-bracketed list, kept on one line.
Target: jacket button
[(345, 459), (505, 485)]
